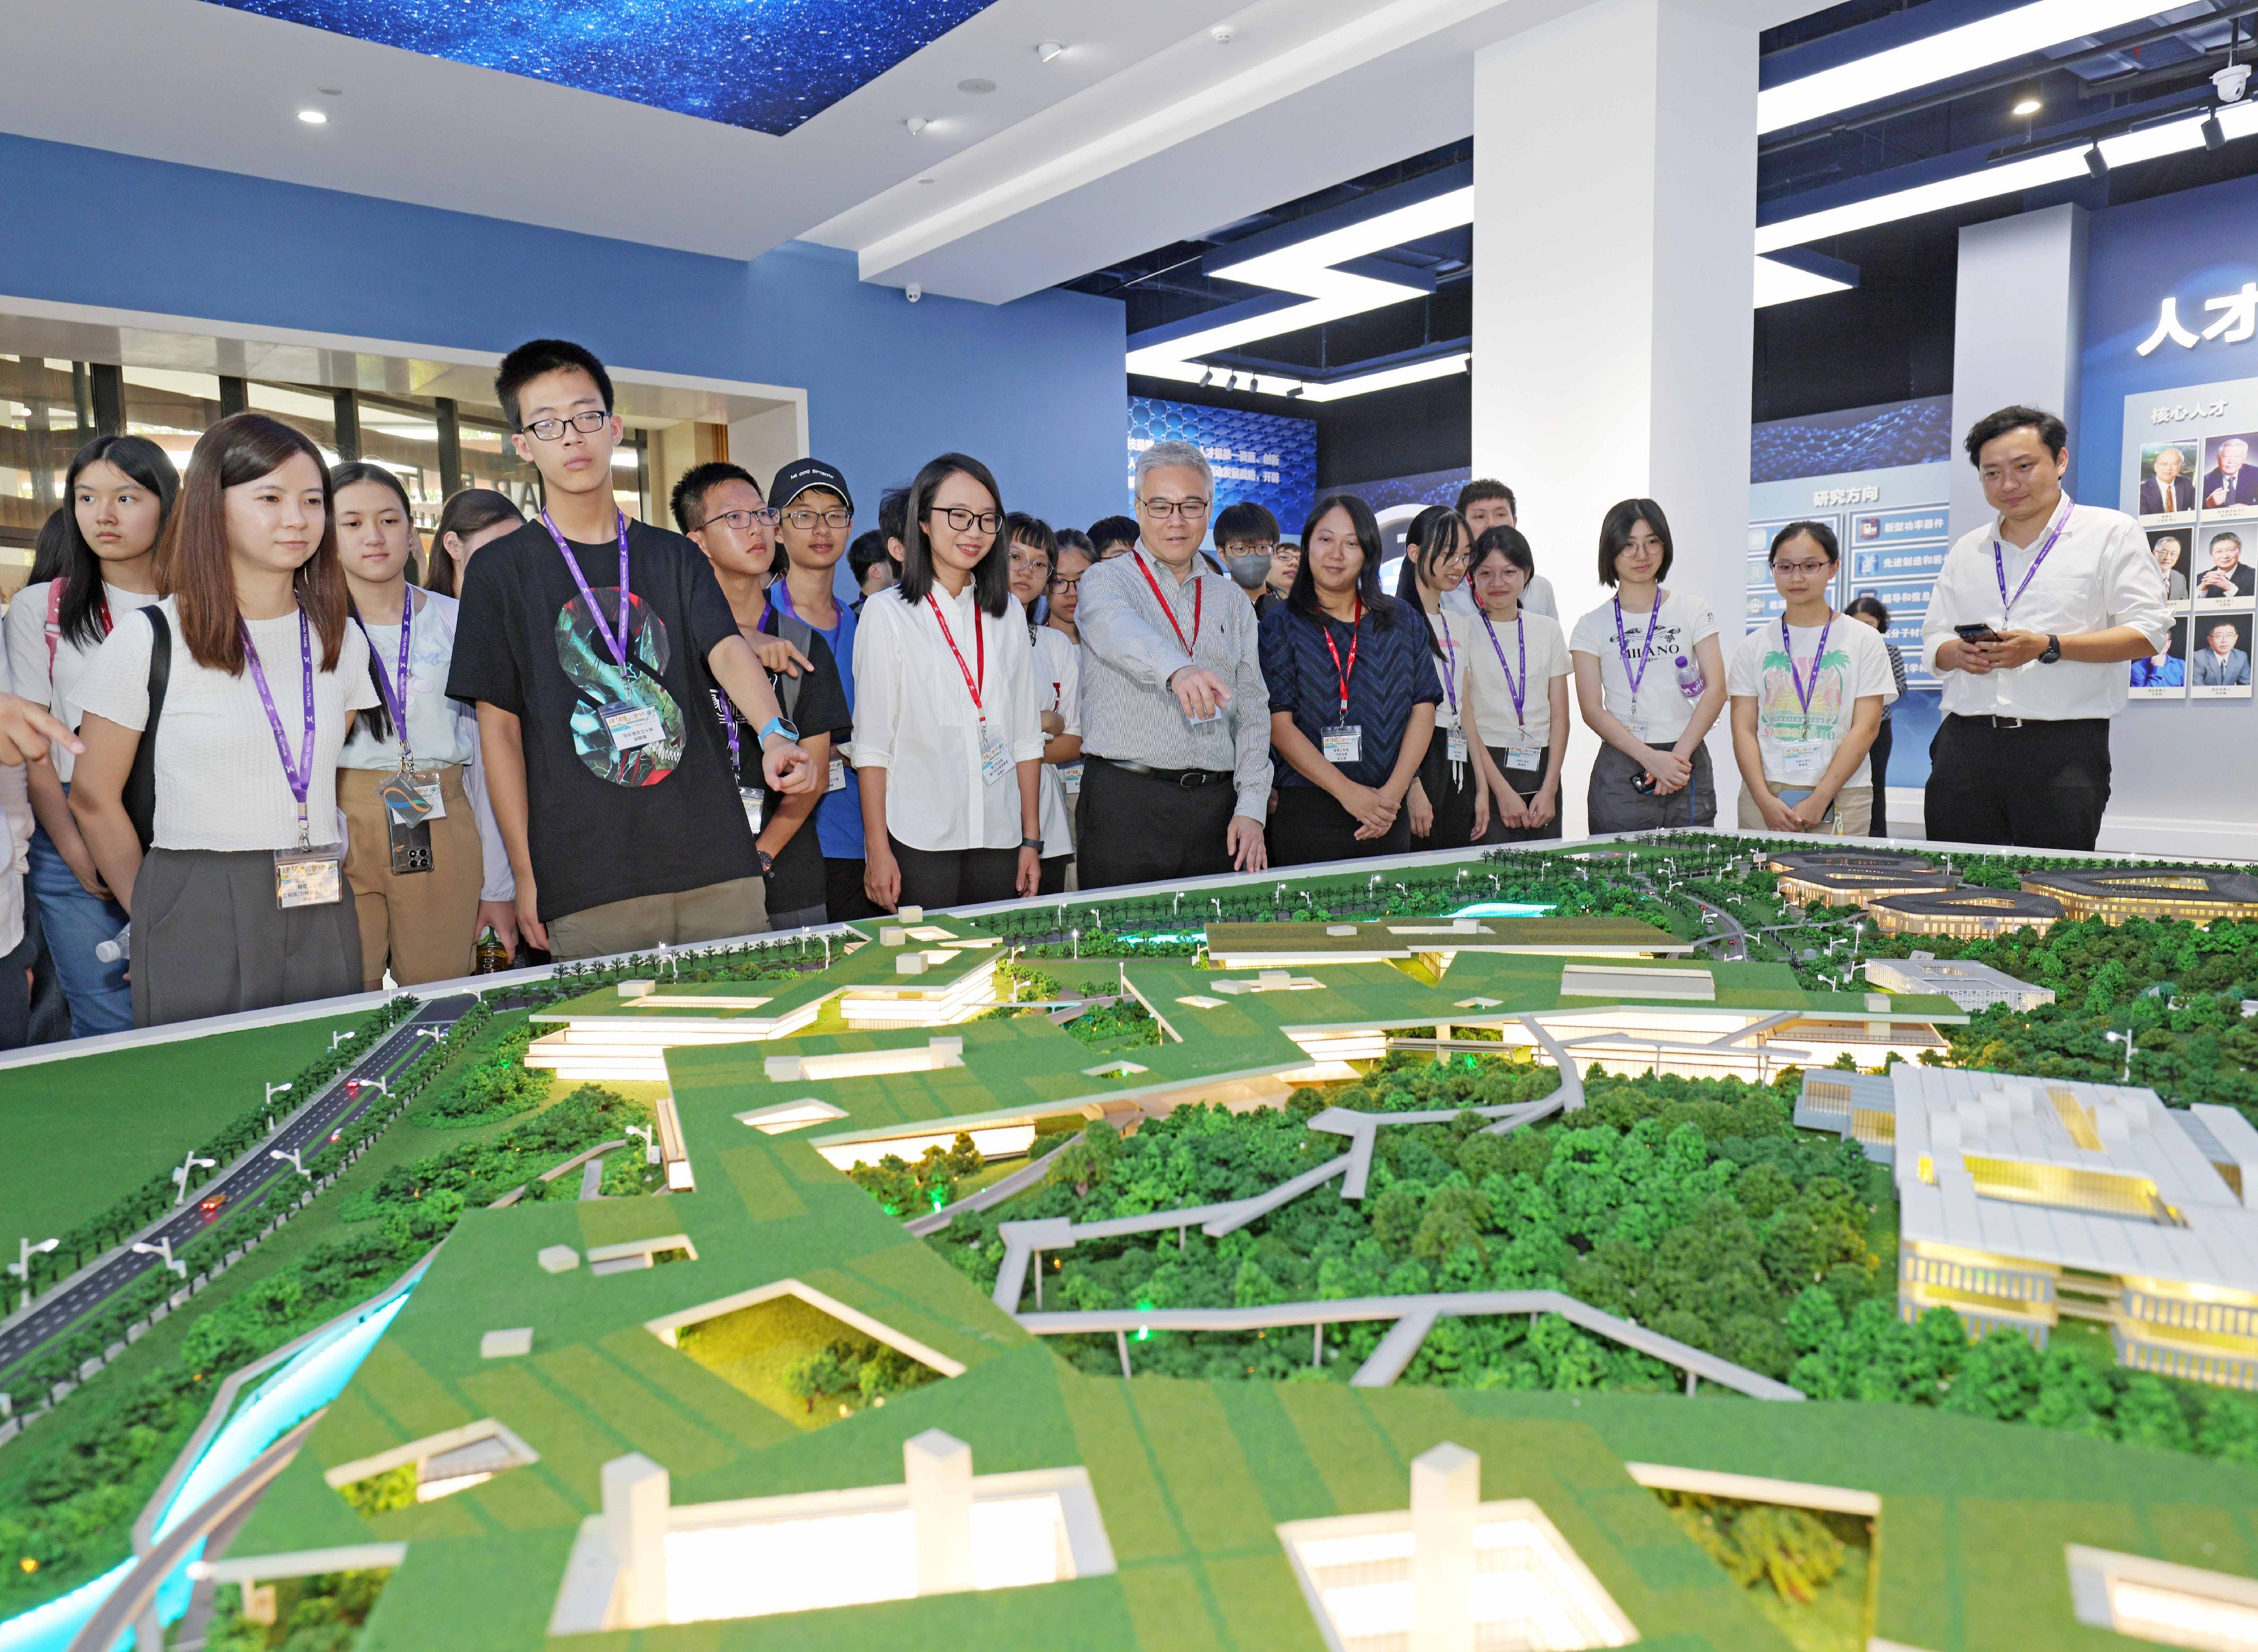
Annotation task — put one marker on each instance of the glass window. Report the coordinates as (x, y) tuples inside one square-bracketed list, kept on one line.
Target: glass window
[(40, 428), (171, 408), (403, 435), (313, 412)]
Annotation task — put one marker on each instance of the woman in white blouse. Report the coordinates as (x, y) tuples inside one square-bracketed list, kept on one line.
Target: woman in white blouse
[(948, 734), (1449, 803), (427, 865), (240, 903)]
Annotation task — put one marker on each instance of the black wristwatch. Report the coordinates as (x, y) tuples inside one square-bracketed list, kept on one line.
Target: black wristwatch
[(2053, 649), (1036, 844)]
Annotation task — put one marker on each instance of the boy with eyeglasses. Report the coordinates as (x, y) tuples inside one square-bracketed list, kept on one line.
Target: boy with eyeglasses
[(814, 526), (592, 645)]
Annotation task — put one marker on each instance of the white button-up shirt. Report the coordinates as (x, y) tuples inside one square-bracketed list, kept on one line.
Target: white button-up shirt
[(914, 717), (2099, 574)]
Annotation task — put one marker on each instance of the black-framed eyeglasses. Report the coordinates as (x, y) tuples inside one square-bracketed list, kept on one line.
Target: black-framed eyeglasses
[(743, 521), (1164, 509), (804, 518), (588, 420), (961, 518), (1065, 582)]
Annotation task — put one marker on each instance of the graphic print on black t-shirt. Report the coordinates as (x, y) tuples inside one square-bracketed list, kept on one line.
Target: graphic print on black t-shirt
[(601, 681)]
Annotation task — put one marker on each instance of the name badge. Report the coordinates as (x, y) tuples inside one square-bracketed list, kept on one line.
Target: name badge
[(1803, 762), (1524, 757), (632, 727), (1215, 716), (1454, 745), (751, 796), (1070, 778), (995, 756), (413, 795), (836, 780), (1635, 727), (1343, 743), (309, 877)]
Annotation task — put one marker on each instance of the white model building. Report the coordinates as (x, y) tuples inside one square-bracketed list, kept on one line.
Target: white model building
[(1972, 986)]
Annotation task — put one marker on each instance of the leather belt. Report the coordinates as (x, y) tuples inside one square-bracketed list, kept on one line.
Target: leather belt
[(1185, 778)]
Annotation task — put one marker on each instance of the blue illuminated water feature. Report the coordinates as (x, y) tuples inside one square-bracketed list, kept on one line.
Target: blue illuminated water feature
[(309, 1380), (1505, 908)]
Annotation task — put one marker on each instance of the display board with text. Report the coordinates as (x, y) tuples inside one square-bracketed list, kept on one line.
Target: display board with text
[(2187, 473), (1268, 457)]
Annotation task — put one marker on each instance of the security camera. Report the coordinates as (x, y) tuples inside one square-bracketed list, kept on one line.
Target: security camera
[(913, 292), (1222, 34), (2232, 81)]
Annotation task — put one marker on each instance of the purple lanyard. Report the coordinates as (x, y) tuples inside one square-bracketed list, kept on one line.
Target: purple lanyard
[(1804, 691), (730, 714), (1450, 660), (1646, 647), (1999, 561), (396, 702), (618, 644), (300, 774), (1521, 640)]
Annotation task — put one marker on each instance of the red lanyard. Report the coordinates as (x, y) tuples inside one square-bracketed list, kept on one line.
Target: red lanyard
[(1327, 627), (980, 649), (1168, 610)]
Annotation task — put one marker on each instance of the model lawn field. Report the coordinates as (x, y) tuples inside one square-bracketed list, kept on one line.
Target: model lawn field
[(81, 1131), (1407, 1178)]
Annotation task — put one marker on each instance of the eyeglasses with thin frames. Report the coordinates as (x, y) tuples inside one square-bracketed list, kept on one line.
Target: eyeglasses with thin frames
[(1804, 568), (741, 521), (1165, 508), (588, 420), (804, 518)]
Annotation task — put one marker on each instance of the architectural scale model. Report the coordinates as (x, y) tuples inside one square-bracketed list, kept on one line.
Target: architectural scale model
[(1392, 1273)]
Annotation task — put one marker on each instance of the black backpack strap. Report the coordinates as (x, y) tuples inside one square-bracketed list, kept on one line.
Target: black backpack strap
[(140, 790), (801, 635)]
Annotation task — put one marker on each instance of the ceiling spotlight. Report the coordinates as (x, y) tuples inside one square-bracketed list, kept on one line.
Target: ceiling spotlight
[(925, 181), (330, 91), (917, 123), (1293, 392), (978, 85), (313, 118), (2096, 162), (1207, 378), (2214, 135), (1222, 34), (1049, 49), (2027, 104)]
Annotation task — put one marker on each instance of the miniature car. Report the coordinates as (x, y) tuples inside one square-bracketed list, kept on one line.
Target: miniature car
[(211, 1203)]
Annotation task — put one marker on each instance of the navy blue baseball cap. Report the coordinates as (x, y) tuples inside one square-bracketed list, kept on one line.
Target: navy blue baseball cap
[(797, 477)]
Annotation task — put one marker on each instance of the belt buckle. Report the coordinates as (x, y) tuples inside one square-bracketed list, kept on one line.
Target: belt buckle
[(1189, 780), (1998, 721)]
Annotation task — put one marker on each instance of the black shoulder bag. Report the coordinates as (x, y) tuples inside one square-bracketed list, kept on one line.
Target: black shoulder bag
[(140, 793)]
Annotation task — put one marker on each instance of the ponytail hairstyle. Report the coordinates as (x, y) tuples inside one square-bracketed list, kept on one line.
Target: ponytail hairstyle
[(468, 510), (193, 563), (377, 719), (144, 462)]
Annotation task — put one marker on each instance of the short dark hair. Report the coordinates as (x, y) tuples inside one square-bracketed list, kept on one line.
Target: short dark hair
[(1031, 530), (2215, 538), (529, 361), (1615, 534), (1113, 530), (1989, 428), (1302, 599), (1867, 602), (991, 577), (893, 514), (1073, 539), (688, 499), (1818, 533), (867, 552), (1509, 543), (468, 510), (1484, 488), (142, 461), (1246, 523)]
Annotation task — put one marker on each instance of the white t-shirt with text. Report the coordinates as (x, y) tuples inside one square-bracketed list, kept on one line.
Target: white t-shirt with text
[(1671, 681), (1798, 746)]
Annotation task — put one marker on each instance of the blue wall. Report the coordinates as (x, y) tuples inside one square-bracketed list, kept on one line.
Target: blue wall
[(2196, 244), (1036, 388)]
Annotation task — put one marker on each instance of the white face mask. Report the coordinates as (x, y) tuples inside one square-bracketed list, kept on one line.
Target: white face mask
[(1249, 572)]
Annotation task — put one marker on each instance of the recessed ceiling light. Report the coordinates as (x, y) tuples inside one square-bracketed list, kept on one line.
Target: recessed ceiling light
[(977, 86), (917, 123), (2028, 106), (925, 181), (1044, 51), (313, 118), (330, 91)]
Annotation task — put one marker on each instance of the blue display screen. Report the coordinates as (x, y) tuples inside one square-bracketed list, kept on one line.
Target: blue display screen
[(1268, 457), (766, 65)]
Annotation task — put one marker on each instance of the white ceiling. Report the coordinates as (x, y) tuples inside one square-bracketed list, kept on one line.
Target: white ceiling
[(1146, 131)]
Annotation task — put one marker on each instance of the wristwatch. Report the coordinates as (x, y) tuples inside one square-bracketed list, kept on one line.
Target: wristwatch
[(767, 861), (2053, 649), (778, 725), (1036, 844)]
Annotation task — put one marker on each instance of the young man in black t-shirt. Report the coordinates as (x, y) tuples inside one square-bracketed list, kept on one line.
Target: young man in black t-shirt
[(609, 777), (718, 506)]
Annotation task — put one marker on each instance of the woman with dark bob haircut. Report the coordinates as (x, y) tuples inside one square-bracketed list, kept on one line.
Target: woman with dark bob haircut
[(1650, 682), (948, 735), (1352, 697), (240, 896)]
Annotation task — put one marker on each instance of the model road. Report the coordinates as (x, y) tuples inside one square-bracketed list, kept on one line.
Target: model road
[(306, 1133)]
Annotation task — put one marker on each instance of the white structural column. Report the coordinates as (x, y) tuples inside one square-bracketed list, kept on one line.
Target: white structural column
[(1615, 192), (938, 1468), (1445, 1495), (2018, 311)]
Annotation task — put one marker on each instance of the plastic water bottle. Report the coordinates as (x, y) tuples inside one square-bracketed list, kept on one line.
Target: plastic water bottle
[(491, 956), (1690, 681), (118, 946)]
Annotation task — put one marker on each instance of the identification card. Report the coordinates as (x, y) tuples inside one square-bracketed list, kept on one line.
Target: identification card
[(836, 780), (1343, 743), (1070, 778), (410, 842), (309, 877), (1635, 727), (1201, 722), (751, 796), (632, 727), (1803, 762), (413, 795), (1454, 745), (995, 756), (1526, 758)]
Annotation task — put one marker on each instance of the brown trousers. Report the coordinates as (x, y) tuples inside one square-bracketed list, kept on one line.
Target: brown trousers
[(423, 924), (690, 916)]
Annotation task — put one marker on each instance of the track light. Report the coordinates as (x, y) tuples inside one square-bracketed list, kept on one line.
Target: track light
[(1294, 393), (2214, 135), (2027, 104), (1207, 378), (2096, 162)]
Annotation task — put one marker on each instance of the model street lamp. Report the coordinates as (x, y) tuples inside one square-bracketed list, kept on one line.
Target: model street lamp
[(336, 1039), (274, 1090), (437, 1035), (162, 1249), (2125, 1039), (289, 1156), (189, 1167), (22, 1267), (649, 1143)]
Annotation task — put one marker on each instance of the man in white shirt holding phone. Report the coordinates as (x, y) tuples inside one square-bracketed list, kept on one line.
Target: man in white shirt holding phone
[(2033, 619)]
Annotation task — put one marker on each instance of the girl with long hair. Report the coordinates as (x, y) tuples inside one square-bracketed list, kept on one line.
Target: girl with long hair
[(1449, 804), (1058, 690), (471, 517)]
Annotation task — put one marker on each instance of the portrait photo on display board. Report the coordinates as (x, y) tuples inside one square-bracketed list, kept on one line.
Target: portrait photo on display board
[(2169, 546), (2167, 479), (2219, 667), (2223, 576), (2229, 484), (2163, 676)]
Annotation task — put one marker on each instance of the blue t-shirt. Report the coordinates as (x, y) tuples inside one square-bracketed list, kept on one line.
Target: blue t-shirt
[(1391, 676), (839, 817)]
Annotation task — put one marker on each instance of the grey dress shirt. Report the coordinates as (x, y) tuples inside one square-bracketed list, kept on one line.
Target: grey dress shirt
[(1129, 652)]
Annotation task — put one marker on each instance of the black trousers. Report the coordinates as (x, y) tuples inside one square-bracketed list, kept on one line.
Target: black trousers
[(935, 878), (1452, 796), (1133, 828), (2040, 786), (1054, 880), (843, 900), (1880, 825), (1309, 827), (1525, 781)]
